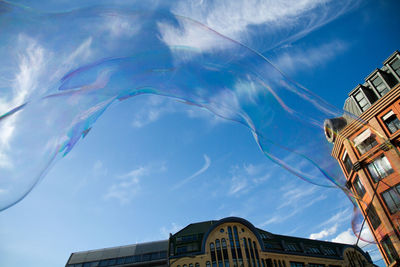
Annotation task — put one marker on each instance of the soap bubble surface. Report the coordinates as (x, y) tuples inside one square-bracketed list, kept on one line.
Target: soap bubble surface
[(107, 55)]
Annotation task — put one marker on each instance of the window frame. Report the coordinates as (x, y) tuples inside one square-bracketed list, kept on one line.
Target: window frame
[(396, 189), (374, 218), (379, 175), (357, 179)]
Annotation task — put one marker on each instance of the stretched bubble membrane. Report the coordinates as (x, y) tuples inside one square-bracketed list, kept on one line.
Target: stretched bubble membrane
[(68, 68)]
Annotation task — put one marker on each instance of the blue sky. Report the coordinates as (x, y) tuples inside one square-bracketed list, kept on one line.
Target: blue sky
[(151, 165)]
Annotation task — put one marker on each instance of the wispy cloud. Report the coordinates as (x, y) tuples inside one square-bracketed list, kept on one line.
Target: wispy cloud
[(292, 59), (247, 177), (341, 216), (31, 65), (295, 198), (324, 233), (173, 228), (290, 19), (207, 163), (128, 186)]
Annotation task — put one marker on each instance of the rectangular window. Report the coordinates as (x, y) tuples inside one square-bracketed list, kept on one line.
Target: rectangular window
[(358, 186), (396, 66), (380, 86), (296, 264), (312, 250), (292, 247), (362, 100), (391, 121), (392, 199), (365, 141), (389, 249), (373, 217), (380, 168), (329, 251), (348, 165), (315, 265)]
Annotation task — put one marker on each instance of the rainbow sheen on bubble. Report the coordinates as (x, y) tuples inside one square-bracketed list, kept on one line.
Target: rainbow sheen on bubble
[(152, 52)]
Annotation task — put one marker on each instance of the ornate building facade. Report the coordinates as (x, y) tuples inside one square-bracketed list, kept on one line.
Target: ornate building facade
[(366, 146), (229, 242)]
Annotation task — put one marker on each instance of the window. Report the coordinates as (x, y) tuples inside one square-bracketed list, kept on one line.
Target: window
[(391, 121), (373, 217), (296, 264), (347, 162), (362, 100), (392, 199), (396, 66), (120, 261), (358, 186), (380, 168), (380, 86), (365, 141), (389, 249), (312, 250), (315, 265), (291, 247), (330, 251)]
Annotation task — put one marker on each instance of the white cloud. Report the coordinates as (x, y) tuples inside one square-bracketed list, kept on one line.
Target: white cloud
[(293, 59), (348, 237), (191, 35), (32, 62), (324, 233), (301, 15), (207, 163), (165, 231), (120, 26), (127, 186)]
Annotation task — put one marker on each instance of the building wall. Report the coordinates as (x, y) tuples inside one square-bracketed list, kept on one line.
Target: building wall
[(363, 166), (255, 256)]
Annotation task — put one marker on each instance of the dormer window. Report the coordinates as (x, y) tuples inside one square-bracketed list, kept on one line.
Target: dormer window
[(362, 100), (365, 141), (380, 86), (396, 66)]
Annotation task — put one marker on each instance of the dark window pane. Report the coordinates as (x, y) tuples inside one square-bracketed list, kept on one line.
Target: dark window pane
[(392, 199), (360, 190), (392, 122), (347, 163), (389, 249), (373, 217)]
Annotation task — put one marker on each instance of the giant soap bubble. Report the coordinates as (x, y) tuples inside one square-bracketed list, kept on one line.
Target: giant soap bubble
[(74, 65)]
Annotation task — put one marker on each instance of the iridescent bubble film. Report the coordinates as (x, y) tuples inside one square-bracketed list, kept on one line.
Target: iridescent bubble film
[(117, 54)]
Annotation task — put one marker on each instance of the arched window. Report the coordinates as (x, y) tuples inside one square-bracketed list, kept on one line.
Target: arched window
[(197, 264), (208, 264), (217, 244), (223, 243), (191, 265), (211, 246)]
